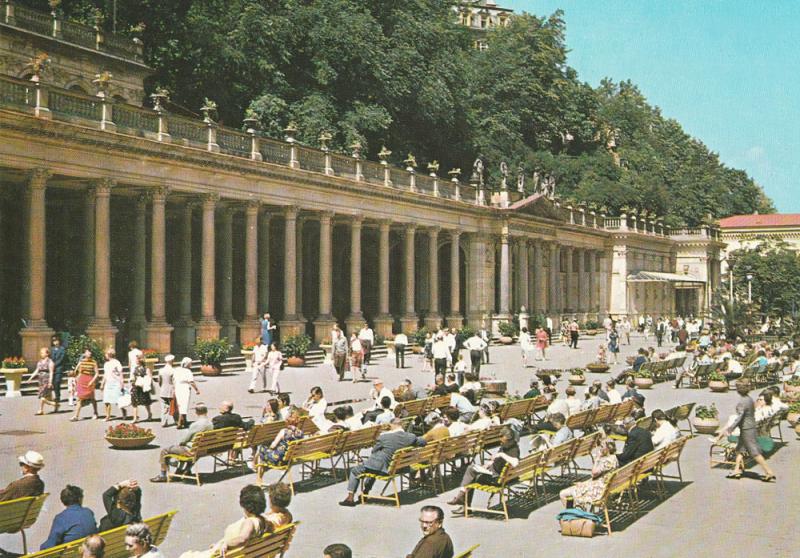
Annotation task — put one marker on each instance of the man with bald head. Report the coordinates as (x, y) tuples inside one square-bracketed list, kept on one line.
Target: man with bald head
[(227, 418), (93, 547)]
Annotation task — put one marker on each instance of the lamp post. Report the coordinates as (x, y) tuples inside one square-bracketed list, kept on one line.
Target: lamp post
[(749, 288)]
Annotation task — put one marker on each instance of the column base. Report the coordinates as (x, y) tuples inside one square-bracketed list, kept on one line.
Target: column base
[(290, 327), (322, 329), (433, 322), (384, 325), (249, 330), (34, 337), (207, 328), (409, 323), (477, 320), (136, 329), (354, 322), (497, 319), (228, 330), (184, 336), (159, 336), (102, 332), (455, 321)]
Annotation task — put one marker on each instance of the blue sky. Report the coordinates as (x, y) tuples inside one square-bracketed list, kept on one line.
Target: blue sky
[(728, 71)]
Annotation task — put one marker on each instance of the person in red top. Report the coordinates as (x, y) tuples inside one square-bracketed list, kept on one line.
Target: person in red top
[(541, 342)]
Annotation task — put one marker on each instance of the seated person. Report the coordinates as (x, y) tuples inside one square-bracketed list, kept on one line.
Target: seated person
[(665, 432), (337, 550), (437, 429), (486, 418), (414, 392), (352, 420), (184, 445), (638, 443), (276, 452), (451, 384), (507, 453), (123, 503), (315, 406), (227, 418), (252, 525), (471, 383), (562, 434), (74, 523), (339, 420), (439, 388), (573, 402), (377, 393), (556, 407), (592, 398), (732, 368), (764, 409), (284, 406), (30, 484), (583, 493), (614, 396), (777, 404), (633, 393), (465, 408), (280, 496), (454, 425), (93, 547), (387, 414), (533, 391), (271, 411), (139, 542)]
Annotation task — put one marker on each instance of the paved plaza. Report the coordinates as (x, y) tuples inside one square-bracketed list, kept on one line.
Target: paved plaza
[(706, 515)]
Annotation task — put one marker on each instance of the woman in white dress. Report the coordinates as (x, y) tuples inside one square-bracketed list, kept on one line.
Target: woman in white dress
[(274, 363), (184, 382), (113, 383), (525, 345)]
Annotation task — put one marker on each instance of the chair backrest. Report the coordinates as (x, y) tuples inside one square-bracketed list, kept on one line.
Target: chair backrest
[(215, 441), (20, 513), (403, 458), (674, 449), (490, 437), (522, 408), (651, 461), (267, 545), (525, 467), (646, 423), (604, 414), (305, 447), (624, 409), (355, 440), (585, 445), (681, 412), (263, 433), (438, 402), (581, 420), (561, 454), (621, 478), (415, 407)]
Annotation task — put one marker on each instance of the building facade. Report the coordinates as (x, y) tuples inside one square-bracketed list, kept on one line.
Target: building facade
[(480, 16), (132, 223)]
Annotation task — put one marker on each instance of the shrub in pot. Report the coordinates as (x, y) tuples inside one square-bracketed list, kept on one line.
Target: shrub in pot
[(717, 382), (791, 386), (576, 376), (643, 379), (74, 351), (211, 353), (793, 415), (418, 338), (507, 332), (294, 348), (706, 419)]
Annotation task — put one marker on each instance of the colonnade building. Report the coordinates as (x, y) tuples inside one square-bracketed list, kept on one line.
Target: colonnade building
[(135, 223)]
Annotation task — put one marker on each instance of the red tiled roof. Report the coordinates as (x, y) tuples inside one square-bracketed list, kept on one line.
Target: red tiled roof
[(768, 220)]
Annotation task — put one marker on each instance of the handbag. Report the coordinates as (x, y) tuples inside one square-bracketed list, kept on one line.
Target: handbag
[(577, 528), (124, 400)]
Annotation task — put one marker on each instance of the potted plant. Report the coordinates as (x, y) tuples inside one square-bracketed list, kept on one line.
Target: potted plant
[(591, 327), (150, 358), (706, 419), (418, 338), (13, 369), (717, 382), (643, 379), (247, 353), (507, 332), (791, 387), (129, 436), (211, 353), (576, 376), (549, 372), (294, 348), (793, 415), (75, 348)]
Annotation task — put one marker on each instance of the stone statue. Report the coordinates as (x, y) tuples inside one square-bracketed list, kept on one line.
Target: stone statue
[(477, 171), (537, 182), (520, 179), (504, 174)]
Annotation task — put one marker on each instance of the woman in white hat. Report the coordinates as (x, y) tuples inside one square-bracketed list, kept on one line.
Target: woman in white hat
[(184, 382)]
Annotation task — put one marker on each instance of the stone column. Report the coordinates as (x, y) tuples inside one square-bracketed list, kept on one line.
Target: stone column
[(138, 320), (250, 327), (300, 251), (555, 285), (568, 299), (291, 324), (582, 288), (539, 279), (208, 327), (325, 320), (158, 331), (384, 321), (229, 326), (434, 319), (87, 273), (524, 299), (36, 333), (592, 282), (409, 320), (355, 319), (184, 327), (505, 279), (263, 264), (455, 319), (481, 281), (100, 327)]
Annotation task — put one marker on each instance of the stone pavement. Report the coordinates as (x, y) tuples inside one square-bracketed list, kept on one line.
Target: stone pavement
[(707, 515)]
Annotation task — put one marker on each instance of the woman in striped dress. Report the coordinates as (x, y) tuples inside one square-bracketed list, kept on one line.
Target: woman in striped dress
[(87, 376)]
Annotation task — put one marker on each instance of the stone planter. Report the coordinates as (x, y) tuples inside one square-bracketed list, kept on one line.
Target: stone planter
[(793, 418), (248, 359), (295, 361), (797, 429), (598, 367), (130, 443), (705, 425), (790, 389), (417, 350), (718, 386), (13, 381), (211, 369), (150, 364), (506, 340), (643, 383), (576, 380)]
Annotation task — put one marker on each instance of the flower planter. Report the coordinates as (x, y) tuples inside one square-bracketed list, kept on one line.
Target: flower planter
[(793, 418), (211, 369), (705, 425), (643, 383), (576, 380), (295, 361), (790, 389), (598, 367), (505, 340), (718, 386), (150, 364), (130, 443), (248, 359), (797, 429), (13, 378), (494, 387)]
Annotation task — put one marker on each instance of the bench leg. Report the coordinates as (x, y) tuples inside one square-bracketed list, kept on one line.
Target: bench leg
[(24, 541), (608, 519), (503, 502)]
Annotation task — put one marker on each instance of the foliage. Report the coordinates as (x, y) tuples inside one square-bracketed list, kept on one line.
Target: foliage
[(296, 345), (379, 339), (706, 412), (536, 320), (128, 431), (775, 269), (717, 376), (248, 346), (642, 373), (12, 363), (507, 329), (212, 351), (591, 324), (418, 336), (794, 407), (74, 350), (576, 371), (793, 382), (150, 354), (466, 332)]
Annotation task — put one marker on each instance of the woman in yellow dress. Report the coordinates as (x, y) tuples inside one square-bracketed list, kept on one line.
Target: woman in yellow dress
[(252, 525)]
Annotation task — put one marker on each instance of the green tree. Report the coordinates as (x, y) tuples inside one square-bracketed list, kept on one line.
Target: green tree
[(774, 269)]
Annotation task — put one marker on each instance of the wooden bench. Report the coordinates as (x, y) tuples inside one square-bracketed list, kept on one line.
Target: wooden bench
[(351, 442), (681, 413), (404, 462), (20, 514), (114, 539), (468, 552), (306, 452), (413, 408), (527, 470), (724, 451), (522, 409), (268, 545), (211, 443)]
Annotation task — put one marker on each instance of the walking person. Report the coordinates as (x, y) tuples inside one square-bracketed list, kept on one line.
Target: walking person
[(339, 351), (400, 343), (427, 353), (485, 336), (45, 372), (86, 376), (625, 326), (475, 345), (259, 366), (661, 329), (113, 383), (184, 383), (367, 338), (166, 390), (613, 345), (267, 329), (440, 355), (274, 366), (141, 380), (542, 339), (356, 356), (57, 354), (525, 345), (573, 334)]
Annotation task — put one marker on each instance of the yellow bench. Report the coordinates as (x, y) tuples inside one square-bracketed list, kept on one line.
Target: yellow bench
[(306, 452), (211, 443), (268, 545), (17, 515)]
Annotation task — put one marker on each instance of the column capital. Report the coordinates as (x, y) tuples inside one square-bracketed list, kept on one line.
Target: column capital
[(455, 234), (384, 224), (410, 228), (158, 194), (326, 215), (210, 198), (290, 212), (355, 220), (252, 207), (38, 177), (103, 186), (434, 230)]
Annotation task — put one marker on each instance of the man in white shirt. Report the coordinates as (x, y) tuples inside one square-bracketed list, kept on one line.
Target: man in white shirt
[(378, 392), (484, 335), (558, 406), (665, 432), (475, 345), (440, 355), (259, 366), (400, 342), (454, 425), (466, 410), (573, 402), (614, 397), (386, 415), (367, 338)]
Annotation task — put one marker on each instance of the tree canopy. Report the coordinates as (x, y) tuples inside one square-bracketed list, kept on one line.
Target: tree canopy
[(774, 268), (406, 75)]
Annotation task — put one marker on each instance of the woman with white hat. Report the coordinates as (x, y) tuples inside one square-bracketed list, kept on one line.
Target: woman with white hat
[(184, 382)]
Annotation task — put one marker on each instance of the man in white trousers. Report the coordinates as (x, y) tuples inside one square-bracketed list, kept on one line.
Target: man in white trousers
[(259, 367)]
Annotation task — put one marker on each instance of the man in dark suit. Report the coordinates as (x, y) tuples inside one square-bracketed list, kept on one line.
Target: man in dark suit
[(227, 418), (57, 354), (639, 442), (380, 458)]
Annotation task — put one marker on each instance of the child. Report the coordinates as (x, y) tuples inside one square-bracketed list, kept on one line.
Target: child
[(71, 392), (601, 354)]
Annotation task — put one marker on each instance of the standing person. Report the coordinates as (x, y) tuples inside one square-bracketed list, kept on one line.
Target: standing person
[(267, 329), (113, 383), (356, 357), (259, 366), (141, 380), (746, 422), (435, 543), (542, 340), (525, 345), (485, 336), (548, 327), (45, 373), (440, 354), (427, 360), (661, 329), (613, 345), (573, 334), (475, 345), (166, 390), (274, 365), (339, 352), (87, 373), (625, 326), (57, 354), (367, 338), (135, 355), (184, 383), (400, 343)]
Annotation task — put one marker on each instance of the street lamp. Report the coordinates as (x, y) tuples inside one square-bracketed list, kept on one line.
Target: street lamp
[(749, 288)]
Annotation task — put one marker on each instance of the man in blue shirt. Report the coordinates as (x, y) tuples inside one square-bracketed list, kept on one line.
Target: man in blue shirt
[(75, 522)]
